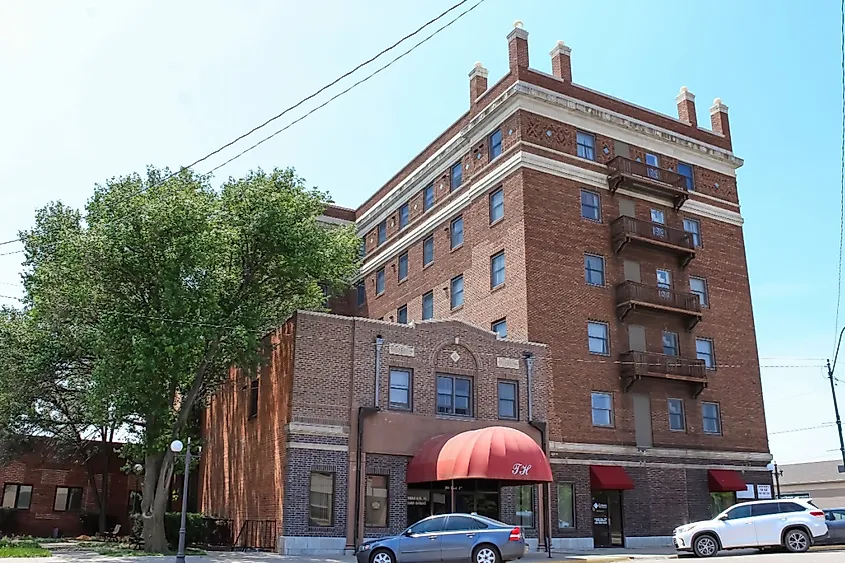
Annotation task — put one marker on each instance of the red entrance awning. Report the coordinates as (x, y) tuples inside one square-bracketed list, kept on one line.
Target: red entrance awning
[(725, 481), (497, 452), (610, 477)]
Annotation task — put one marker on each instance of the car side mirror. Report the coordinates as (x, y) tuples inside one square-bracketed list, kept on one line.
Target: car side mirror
[(408, 533), (723, 517)]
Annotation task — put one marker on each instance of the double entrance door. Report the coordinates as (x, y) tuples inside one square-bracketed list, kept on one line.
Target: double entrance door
[(607, 519)]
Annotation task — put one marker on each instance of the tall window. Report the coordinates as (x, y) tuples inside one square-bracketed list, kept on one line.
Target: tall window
[(497, 269), (404, 215), (704, 351), (670, 343), (428, 250), (693, 227), (321, 499), (456, 292), (495, 144), (507, 399), (456, 232), (698, 286), (382, 232), (497, 205), (653, 168), (428, 306), (598, 340), (377, 508), (68, 499), (500, 327), (400, 388), (403, 266), (454, 395), (602, 406), (362, 251), (361, 294), (402, 314), (253, 398), (525, 506), (17, 496), (380, 281), (456, 176), (586, 145), (658, 216), (677, 419), (565, 505), (664, 279), (428, 197), (594, 269), (711, 418), (685, 170), (590, 206)]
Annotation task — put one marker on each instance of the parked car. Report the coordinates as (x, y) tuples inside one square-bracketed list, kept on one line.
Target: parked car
[(794, 524), (448, 537), (835, 518)]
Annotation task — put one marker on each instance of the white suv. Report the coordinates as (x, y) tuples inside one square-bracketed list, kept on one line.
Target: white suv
[(794, 524)]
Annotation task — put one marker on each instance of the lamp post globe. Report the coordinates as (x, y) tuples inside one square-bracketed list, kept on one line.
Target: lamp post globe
[(176, 446)]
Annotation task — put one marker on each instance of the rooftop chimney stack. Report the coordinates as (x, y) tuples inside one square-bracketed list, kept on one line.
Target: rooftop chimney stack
[(518, 47), (561, 62), (477, 83), (719, 118), (686, 106)]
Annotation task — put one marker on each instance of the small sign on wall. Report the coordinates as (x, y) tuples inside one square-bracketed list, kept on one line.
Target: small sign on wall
[(764, 492), (747, 494)]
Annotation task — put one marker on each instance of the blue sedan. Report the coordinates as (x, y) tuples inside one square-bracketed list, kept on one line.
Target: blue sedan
[(448, 537)]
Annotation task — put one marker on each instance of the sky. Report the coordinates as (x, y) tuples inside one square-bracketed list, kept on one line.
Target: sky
[(91, 90)]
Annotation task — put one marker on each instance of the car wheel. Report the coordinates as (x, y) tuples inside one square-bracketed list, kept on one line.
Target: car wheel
[(382, 556), (486, 554), (705, 545), (796, 541)]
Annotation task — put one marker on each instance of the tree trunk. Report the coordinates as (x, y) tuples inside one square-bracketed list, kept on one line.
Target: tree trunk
[(104, 494), (158, 470)]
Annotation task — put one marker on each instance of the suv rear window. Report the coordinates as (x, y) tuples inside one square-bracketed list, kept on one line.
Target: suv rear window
[(791, 507), (764, 509)]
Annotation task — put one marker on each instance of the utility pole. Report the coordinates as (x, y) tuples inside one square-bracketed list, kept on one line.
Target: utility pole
[(778, 473), (830, 370)]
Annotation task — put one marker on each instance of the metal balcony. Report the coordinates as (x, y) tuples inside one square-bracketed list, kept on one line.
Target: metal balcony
[(639, 365), (626, 230), (642, 177), (632, 295)]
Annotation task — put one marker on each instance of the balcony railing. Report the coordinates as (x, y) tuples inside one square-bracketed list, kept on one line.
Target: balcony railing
[(645, 177), (637, 365), (632, 295), (628, 229)]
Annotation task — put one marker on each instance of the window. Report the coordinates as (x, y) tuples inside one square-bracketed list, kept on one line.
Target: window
[(402, 314), (428, 250), (602, 405), (17, 496), (253, 398), (380, 282), (497, 205), (525, 506), (743, 511), (594, 269), (565, 505), (720, 502), (454, 395), (362, 252), (403, 266), (698, 286), (693, 227), (428, 306), (456, 176), (685, 170), (321, 499), (677, 420), (658, 217), (429, 526), (68, 499), (507, 399), (764, 509), (428, 197), (704, 351), (400, 388), (382, 232), (664, 280), (456, 232), (586, 145), (500, 327), (590, 206), (404, 216), (463, 524), (598, 339), (653, 168), (670, 344), (783, 507), (456, 292), (495, 144), (377, 507), (497, 269), (711, 418), (362, 293)]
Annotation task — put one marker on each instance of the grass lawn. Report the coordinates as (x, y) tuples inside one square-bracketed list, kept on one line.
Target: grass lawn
[(22, 549), (119, 549)]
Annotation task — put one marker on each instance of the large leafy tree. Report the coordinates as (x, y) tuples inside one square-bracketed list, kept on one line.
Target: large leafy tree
[(172, 282)]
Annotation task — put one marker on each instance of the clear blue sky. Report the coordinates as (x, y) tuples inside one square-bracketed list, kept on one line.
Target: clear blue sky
[(96, 89)]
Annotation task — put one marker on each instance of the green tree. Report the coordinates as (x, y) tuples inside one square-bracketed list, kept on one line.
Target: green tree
[(174, 282)]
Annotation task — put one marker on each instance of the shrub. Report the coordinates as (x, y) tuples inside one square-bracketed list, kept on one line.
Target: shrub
[(91, 523)]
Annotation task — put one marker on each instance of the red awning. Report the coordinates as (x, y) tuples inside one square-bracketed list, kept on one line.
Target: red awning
[(611, 477), (725, 481), (497, 452)]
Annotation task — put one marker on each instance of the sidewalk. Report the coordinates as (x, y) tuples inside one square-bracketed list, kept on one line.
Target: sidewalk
[(603, 555)]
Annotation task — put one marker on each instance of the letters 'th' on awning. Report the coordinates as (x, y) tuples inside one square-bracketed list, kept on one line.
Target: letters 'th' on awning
[(610, 477), (496, 452), (724, 481)]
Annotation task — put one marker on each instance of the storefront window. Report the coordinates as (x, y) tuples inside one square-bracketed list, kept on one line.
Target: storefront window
[(376, 510), (525, 506), (565, 505), (321, 499), (719, 502)]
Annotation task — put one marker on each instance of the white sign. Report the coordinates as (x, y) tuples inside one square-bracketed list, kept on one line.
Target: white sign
[(507, 363), (748, 493), (396, 349), (764, 491), (519, 469)]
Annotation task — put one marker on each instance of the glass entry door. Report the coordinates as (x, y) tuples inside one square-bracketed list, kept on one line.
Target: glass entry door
[(607, 519)]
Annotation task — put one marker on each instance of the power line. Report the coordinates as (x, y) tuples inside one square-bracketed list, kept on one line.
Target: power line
[(819, 427)]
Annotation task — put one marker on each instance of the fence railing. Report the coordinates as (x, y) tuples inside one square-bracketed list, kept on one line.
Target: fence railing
[(257, 534), (643, 170), (660, 296), (629, 226), (647, 363)]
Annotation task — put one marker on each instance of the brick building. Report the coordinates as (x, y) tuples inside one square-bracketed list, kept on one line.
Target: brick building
[(556, 214)]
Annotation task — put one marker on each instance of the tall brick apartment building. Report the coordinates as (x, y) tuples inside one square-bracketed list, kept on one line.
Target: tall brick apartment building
[(611, 234)]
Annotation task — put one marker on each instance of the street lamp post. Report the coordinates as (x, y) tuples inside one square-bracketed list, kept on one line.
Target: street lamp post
[(176, 447), (778, 473)]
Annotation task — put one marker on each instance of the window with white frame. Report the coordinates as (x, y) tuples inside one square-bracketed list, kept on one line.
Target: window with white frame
[(602, 407), (594, 269), (698, 286), (590, 206), (711, 418), (598, 340), (677, 419), (704, 351), (586, 145)]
